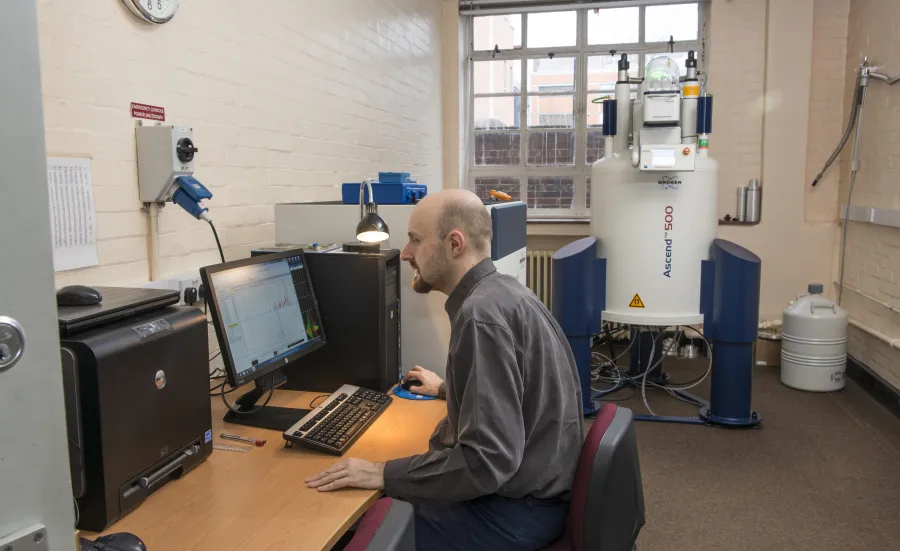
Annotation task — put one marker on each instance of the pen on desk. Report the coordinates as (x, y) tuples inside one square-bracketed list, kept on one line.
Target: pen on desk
[(243, 439), (230, 448)]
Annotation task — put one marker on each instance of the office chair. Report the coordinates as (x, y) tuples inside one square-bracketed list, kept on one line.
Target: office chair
[(387, 526), (606, 512)]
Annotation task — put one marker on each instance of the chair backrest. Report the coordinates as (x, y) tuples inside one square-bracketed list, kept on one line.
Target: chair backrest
[(388, 525), (606, 512)]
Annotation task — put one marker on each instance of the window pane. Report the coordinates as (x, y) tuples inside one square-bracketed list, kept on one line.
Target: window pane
[(679, 21), (546, 30), (502, 31), (510, 186), (551, 148), (497, 77), (603, 71), (551, 192), (497, 148), (595, 110), (497, 113), (614, 26), (551, 75), (587, 193), (551, 112), (680, 58), (595, 146)]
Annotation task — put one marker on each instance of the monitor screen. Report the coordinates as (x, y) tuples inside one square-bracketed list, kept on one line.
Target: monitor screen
[(265, 313)]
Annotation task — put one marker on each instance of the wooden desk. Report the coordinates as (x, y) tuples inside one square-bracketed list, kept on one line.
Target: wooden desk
[(258, 500)]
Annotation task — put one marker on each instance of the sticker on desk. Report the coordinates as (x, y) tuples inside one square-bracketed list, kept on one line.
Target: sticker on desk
[(208, 436)]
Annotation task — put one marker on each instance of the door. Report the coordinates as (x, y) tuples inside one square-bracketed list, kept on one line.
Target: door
[(35, 488)]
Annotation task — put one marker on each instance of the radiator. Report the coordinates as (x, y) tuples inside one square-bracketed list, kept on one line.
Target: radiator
[(540, 270)]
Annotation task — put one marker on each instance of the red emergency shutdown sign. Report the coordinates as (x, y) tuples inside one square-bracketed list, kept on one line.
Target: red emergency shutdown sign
[(152, 112)]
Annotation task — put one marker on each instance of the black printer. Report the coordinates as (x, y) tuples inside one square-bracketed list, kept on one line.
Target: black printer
[(136, 380)]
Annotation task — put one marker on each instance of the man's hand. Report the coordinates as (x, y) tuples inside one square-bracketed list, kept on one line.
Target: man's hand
[(430, 381), (349, 473)]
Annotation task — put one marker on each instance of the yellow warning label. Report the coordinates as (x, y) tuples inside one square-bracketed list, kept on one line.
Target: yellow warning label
[(636, 302), (691, 91)]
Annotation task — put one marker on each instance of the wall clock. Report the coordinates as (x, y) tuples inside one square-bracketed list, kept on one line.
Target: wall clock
[(153, 11)]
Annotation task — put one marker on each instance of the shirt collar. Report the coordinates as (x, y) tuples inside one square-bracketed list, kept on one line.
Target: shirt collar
[(467, 284)]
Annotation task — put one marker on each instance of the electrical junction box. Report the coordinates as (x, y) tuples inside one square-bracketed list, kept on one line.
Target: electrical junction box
[(164, 153), (662, 108), (668, 157)]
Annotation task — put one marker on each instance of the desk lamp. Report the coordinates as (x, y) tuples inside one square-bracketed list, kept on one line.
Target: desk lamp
[(371, 229)]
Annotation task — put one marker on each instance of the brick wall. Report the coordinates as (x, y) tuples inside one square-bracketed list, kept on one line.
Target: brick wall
[(872, 269), (826, 107), (287, 101), (765, 61), (736, 61), (497, 148)]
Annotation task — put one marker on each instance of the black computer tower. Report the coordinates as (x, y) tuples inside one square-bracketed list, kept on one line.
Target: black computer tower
[(359, 300)]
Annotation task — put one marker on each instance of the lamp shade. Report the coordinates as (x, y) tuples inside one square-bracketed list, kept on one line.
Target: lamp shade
[(372, 229)]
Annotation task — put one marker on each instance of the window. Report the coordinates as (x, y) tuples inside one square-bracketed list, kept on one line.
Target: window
[(535, 83)]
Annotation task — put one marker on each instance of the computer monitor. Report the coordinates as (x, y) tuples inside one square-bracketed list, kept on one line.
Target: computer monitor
[(265, 315)]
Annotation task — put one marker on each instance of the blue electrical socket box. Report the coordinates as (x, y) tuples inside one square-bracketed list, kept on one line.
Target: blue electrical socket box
[(392, 188)]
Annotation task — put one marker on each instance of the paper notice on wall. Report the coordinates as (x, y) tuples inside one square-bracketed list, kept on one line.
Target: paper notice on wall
[(73, 222)]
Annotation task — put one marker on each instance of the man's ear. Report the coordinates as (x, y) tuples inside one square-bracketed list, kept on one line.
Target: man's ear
[(457, 242)]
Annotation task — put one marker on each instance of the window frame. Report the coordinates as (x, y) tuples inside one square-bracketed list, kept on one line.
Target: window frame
[(580, 171)]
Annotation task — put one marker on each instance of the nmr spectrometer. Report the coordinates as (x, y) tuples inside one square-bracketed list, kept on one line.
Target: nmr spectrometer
[(653, 260)]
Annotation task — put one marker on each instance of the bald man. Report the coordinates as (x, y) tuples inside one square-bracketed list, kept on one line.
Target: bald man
[(501, 464)]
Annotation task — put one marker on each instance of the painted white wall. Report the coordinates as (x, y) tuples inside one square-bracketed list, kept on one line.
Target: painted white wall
[(288, 99)]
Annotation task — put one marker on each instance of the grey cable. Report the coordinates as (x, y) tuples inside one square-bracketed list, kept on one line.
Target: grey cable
[(854, 169), (885, 78), (647, 373), (854, 109)]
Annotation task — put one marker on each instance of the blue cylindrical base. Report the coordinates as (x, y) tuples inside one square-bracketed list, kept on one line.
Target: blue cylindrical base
[(731, 385), (752, 421)]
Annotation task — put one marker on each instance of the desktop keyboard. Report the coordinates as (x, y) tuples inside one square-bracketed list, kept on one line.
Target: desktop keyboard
[(337, 422)]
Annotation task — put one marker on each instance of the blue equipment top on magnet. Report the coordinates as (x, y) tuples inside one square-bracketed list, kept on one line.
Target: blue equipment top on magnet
[(392, 188)]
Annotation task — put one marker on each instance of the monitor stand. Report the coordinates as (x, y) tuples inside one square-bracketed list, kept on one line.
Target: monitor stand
[(267, 417)]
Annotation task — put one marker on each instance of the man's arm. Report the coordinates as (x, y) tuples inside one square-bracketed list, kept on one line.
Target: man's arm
[(491, 434)]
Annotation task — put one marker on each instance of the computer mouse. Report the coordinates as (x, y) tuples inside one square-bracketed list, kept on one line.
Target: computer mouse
[(122, 541), (78, 295), (408, 383)]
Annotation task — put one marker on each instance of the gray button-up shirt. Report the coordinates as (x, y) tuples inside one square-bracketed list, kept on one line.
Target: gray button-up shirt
[(514, 421)]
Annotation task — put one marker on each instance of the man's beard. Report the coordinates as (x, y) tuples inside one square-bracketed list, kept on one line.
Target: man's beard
[(438, 264), (419, 285)]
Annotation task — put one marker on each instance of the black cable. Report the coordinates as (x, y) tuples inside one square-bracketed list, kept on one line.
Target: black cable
[(218, 243), (220, 386), (216, 355), (312, 404), (238, 412), (81, 455), (626, 398)]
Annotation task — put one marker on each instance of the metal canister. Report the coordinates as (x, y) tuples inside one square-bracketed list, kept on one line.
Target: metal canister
[(754, 201), (740, 212)]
